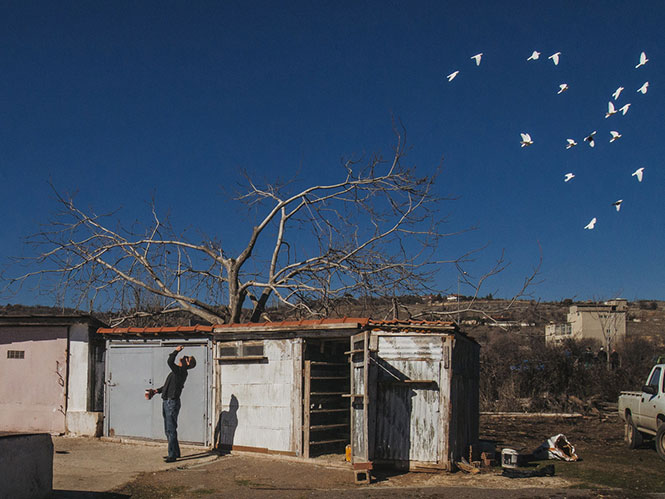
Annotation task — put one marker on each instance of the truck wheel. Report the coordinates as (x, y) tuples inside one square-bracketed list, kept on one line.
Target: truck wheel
[(633, 436), (660, 441)]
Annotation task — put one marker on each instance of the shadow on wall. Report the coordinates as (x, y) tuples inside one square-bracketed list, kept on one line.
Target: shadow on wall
[(225, 429)]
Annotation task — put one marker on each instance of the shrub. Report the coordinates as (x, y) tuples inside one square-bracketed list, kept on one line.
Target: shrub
[(518, 374)]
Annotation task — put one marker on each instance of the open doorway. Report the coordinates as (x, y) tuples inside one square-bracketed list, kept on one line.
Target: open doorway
[(326, 413)]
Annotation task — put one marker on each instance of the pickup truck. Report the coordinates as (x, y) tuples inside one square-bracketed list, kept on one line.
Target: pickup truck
[(644, 411)]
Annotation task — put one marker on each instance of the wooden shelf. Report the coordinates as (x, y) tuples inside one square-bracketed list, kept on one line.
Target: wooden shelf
[(329, 377), (322, 411), (329, 426), (336, 441), (241, 359), (317, 363), (408, 382), (326, 393)]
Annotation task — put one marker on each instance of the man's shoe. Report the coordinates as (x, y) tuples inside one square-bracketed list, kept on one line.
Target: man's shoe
[(170, 460)]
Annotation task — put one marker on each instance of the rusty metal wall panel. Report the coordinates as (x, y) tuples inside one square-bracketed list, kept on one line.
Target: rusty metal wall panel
[(413, 346), (359, 427), (464, 402), (444, 402), (408, 398)]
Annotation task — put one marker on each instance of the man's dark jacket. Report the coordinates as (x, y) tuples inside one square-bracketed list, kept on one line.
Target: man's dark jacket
[(172, 387)]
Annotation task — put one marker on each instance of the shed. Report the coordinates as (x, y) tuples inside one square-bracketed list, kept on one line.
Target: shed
[(403, 393), (51, 374), (414, 395), (135, 361)]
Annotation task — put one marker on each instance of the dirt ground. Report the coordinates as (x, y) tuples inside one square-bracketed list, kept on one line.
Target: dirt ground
[(606, 469)]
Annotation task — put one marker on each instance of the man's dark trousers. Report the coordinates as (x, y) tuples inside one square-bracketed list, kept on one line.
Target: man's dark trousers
[(170, 410)]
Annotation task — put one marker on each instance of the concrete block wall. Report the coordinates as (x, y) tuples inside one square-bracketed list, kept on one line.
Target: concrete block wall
[(26, 466)]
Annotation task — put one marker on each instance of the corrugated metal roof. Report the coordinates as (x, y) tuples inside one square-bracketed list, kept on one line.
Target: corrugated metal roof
[(407, 323), (155, 330), (351, 322), (305, 324)]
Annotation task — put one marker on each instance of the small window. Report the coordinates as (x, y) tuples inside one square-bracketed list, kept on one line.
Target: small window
[(241, 350), (16, 354)]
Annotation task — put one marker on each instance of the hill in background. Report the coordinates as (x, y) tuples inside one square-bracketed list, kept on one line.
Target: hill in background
[(480, 318)]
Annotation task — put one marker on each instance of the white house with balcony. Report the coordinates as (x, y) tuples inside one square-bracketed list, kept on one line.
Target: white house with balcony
[(605, 323)]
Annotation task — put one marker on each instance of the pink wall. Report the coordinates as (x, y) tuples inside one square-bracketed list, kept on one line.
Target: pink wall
[(32, 389)]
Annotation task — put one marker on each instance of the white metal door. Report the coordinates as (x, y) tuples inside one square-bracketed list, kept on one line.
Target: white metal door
[(132, 368)]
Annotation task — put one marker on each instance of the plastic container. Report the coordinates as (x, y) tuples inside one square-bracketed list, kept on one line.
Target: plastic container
[(509, 458), (348, 453)]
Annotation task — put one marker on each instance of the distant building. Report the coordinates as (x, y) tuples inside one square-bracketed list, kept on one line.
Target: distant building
[(605, 323)]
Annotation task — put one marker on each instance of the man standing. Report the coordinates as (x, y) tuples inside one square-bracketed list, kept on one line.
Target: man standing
[(171, 390)]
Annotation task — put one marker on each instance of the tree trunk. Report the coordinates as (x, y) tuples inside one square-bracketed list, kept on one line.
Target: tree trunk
[(260, 305)]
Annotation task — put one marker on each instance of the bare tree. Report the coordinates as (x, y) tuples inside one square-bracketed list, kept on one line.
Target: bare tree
[(611, 323), (476, 284), (375, 229)]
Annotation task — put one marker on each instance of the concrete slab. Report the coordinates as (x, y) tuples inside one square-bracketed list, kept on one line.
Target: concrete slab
[(94, 465)]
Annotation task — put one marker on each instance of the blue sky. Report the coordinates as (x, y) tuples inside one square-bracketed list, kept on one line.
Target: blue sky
[(124, 102)]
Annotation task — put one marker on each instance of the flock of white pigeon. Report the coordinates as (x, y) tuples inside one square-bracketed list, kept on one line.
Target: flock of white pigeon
[(590, 139)]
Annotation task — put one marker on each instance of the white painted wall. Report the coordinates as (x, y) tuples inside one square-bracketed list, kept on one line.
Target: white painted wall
[(79, 368), (265, 394), (32, 389)]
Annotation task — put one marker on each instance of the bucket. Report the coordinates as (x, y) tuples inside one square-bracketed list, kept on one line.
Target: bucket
[(509, 458)]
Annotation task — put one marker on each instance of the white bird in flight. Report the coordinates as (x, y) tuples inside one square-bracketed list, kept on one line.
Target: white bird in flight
[(617, 93), (590, 139), (624, 108), (617, 204), (568, 176), (643, 88), (526, 139), (615, 135), (571, 143), (477, 58), (534, 56), (555, 58), (610, 109), (643, 60), (452, 75), (638, 173), (562, 88), (591, 224)]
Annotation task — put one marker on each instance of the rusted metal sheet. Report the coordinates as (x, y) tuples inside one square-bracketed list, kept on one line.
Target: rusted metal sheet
[(363, 410), (424, 397), (464, 402), (408, 398), (410, 346)]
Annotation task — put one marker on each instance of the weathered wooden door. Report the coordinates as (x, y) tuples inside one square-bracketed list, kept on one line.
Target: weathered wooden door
[(362, 379), (409, 424)]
